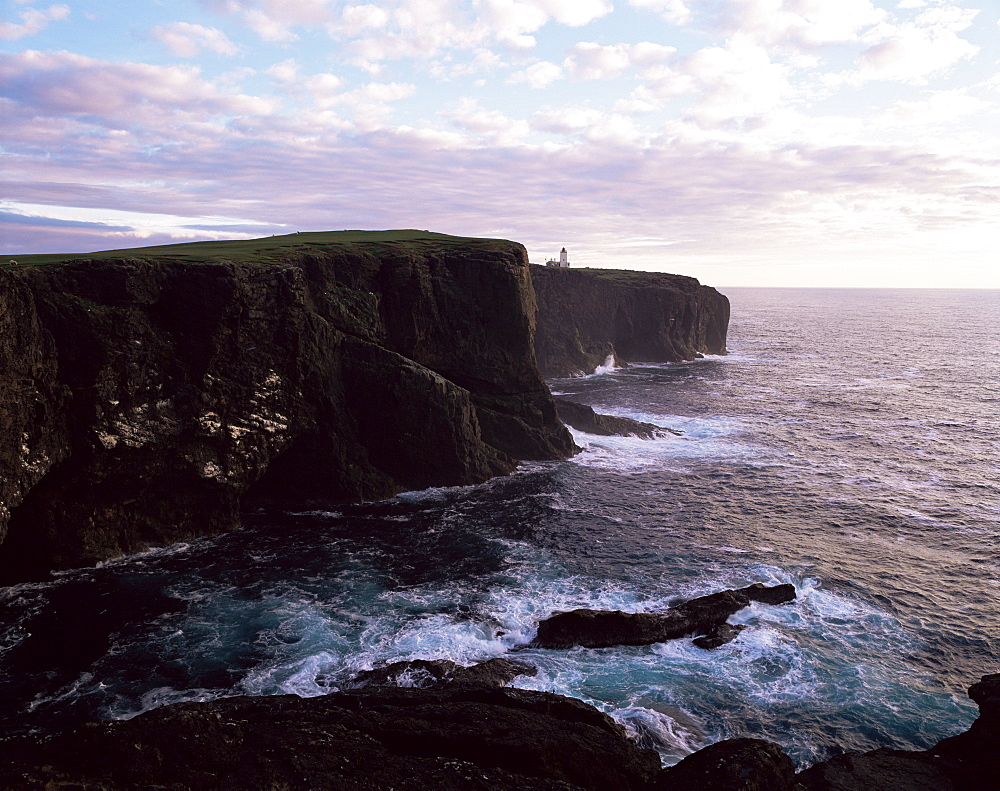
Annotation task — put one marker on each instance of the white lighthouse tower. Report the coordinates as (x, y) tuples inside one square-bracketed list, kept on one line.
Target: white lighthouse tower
[(562, 263)]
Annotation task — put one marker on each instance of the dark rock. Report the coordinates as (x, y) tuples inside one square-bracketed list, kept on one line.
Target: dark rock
[(969, 761), (879, 770), (731, 765), (603, 628), (145, 401), (775, 594), (411, 739), (437, 673), (585, 315), (719, 636), (584, 418)]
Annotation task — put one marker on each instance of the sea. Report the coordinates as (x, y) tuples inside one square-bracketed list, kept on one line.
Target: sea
[(848, 443)]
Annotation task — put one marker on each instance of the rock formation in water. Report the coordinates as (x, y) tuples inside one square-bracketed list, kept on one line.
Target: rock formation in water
[(584, 418), (469, 736), (585, 315), (704, 615), (147, 394)]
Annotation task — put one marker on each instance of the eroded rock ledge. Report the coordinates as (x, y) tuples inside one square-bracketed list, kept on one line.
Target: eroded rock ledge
[(584, 418)]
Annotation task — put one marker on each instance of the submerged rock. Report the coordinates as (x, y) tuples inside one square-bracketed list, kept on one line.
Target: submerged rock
[(719, 636), (584, 418), (703, 615), (437, 673)]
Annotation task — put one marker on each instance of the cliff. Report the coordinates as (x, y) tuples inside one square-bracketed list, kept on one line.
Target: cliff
[(148, 394), (584, 315)]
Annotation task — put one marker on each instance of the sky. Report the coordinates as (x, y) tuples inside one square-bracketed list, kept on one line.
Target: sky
[(824, 143)]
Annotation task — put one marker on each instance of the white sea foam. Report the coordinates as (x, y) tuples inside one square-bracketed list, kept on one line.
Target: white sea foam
[(703, 438), (606, 367), (125, 709)]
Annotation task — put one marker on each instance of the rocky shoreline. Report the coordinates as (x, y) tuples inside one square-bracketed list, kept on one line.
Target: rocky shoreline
[(435, 724), (148, 399), (460, 730)]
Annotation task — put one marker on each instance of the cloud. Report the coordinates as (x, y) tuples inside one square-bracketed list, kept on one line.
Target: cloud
[(738, 80), (356, 18), (490, 126), (273, 20), (914, 51), (186, 40), (64, 84), (590, 61), (731, 147), (566, 120), (940, 107), (800, 25), (32, 22), (527, 16), (325, 89), (424, 29), (736, 201), (41, 221), (674, 11), (285, 74), (537, 75)]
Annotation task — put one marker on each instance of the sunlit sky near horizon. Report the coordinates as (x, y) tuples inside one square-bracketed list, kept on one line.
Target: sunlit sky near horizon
[(744, 142)]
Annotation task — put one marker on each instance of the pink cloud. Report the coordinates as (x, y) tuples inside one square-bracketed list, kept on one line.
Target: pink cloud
[(32, 22), (186, 40), (65, 84)]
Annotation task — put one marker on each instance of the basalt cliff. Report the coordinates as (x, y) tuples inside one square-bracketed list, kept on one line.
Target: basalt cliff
[(148, 395), (586, 315)]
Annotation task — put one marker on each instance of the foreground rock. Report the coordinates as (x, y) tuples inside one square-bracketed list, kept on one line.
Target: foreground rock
[(584, 418), (705, 615), (732, 765), (585, 315), (969, 761), (147, 395), (469, 737), (403, 739)]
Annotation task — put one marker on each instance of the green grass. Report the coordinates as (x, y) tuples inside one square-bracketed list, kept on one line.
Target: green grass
[(264, 249), (626, 276)]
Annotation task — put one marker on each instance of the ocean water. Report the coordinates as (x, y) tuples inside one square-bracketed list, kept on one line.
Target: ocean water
[(848, 444)]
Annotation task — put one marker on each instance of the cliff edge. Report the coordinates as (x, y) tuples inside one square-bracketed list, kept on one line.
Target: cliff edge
[(148, 394), (585, 315)]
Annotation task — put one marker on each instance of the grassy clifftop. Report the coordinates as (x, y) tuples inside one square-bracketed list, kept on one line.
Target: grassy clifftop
[(268, 249)]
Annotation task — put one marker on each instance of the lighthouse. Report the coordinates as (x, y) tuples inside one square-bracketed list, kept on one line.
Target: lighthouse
[(562, 263)]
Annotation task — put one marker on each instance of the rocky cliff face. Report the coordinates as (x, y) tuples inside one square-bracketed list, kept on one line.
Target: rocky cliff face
[(584, 315), (145, 399)]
